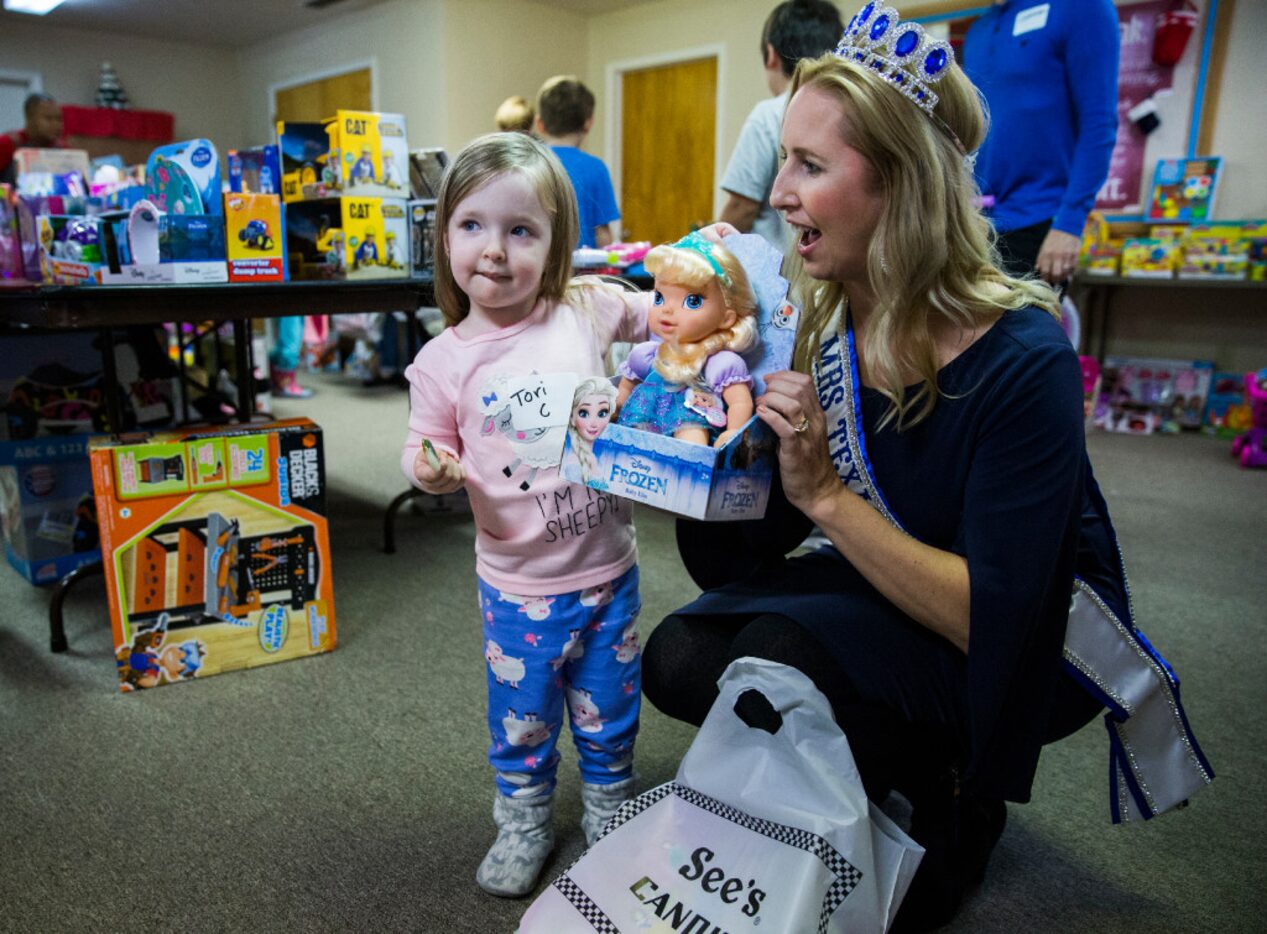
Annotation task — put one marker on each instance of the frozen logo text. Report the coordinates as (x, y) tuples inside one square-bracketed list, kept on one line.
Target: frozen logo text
[(638, 476)]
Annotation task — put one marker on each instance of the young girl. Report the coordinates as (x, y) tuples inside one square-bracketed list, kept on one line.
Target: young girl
[(593, 405), (704, 311), (556, 562)]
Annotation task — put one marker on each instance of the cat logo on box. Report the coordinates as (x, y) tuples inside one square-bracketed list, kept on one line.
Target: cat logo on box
[(352, 125), (359, 210)]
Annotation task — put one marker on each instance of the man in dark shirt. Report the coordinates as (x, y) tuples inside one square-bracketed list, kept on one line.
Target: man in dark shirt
[(43, 130)]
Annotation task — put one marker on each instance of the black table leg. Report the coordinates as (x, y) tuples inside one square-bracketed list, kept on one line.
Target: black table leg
[(56, 628), (245, 367), (389, 519), (110, 371)]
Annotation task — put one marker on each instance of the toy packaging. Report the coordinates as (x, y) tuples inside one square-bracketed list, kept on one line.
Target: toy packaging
[(374, 153), (1184, 189), (147, 246), (426, 171), (348, 238), (1227, 414), (184, 178), (1218, 251), (52, 396), (422, 237), (698, 480), (1149, 258), (1144, 395), (216, 549), (70, 249), (255, 171), (356, 153), (256, 243)]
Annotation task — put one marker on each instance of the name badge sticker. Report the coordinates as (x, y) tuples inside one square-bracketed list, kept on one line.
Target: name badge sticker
[(1029, 20), (541, 400)]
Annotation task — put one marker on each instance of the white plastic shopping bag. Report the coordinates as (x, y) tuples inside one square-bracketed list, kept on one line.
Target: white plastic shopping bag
[(759, 832)]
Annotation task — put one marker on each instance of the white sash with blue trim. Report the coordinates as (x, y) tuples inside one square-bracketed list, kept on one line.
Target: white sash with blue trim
[(1154, 761)]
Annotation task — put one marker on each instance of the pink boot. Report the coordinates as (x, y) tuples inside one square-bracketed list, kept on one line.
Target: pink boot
[(285, 386)]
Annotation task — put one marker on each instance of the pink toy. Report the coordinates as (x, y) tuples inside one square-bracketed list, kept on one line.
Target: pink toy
[(1251, 447)]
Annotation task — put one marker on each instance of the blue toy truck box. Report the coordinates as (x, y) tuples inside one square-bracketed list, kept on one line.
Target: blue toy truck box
[(696, 480)]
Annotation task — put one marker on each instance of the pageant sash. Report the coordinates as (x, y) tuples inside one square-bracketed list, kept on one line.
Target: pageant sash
[(1154, 761)]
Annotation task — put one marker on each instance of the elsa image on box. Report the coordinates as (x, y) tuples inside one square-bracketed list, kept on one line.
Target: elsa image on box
[(593, 405)]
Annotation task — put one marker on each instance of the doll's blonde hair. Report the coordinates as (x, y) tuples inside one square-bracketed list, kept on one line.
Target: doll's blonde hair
[(932, 254), (686, 267), (480, 162)]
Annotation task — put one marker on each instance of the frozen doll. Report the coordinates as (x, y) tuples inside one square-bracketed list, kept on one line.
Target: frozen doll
[(692, 383)]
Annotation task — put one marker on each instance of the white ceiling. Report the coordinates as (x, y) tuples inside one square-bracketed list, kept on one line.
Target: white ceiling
[(223, 22)]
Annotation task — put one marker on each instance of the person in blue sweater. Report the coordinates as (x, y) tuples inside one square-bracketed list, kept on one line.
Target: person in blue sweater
[(1048, 72)]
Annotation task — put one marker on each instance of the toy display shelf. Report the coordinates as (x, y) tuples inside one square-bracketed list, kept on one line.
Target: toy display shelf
[(1094, 297)]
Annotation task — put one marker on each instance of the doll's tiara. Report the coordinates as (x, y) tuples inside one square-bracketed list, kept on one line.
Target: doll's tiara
[(903, 54), (694, 242)]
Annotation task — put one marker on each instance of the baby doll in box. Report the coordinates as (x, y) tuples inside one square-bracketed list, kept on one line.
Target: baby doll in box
[(692, 383)]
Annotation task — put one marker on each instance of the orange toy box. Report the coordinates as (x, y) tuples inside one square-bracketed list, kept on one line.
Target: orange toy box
[(216, 548)]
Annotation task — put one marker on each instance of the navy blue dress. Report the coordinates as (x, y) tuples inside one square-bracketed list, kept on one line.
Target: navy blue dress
[(998, 474)]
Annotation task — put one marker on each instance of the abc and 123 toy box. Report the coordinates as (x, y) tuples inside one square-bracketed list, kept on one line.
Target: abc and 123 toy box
[(216, 549)]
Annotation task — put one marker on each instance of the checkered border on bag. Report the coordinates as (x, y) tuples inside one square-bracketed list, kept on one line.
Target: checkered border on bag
[(845, 876)]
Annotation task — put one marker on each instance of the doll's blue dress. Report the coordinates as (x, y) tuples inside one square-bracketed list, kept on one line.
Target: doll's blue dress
[(661, 407)]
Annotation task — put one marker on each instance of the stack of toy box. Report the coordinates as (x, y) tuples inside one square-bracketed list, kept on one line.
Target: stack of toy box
[(345, 185), (1219, 251), (1143, 395), (52, 397), (216, 549)]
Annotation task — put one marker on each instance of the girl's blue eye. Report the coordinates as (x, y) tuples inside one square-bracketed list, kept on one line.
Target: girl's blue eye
[(694, 301), (659, 299), (469, 225), (519, 230)]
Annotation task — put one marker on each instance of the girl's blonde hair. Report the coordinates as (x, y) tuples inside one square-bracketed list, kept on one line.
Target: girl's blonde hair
[(932, 254), (480, 162), (688, 268)]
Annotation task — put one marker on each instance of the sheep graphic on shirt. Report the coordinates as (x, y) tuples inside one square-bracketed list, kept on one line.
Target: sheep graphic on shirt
[(533, 448), (506, 670)]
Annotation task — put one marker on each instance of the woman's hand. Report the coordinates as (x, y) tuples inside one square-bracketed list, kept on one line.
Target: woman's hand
[(716, 231), (790, 407), (1058, 256), (447, 477)]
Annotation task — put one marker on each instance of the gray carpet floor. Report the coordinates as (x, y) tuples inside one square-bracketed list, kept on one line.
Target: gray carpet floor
[(350, 792)]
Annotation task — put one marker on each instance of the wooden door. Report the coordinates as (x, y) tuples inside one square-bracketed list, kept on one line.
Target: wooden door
[(315, 101), (668, 144)]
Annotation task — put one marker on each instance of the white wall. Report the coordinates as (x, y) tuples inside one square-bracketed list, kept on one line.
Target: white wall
[(196, 83), (1240, 134), (402, 39)]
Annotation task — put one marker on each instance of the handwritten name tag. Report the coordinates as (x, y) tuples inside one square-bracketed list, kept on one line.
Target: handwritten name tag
[(541, 400)]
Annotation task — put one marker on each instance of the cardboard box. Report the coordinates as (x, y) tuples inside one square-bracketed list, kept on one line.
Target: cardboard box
[(697, 480), (50, 522), (422, 237), (348, 238), (255, 238), (216, 549), (255, 171), (70, 249), (356, 153)]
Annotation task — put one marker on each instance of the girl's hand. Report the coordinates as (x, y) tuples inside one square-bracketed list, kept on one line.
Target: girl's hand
[(790, 407), (715, 232), (437, 481)]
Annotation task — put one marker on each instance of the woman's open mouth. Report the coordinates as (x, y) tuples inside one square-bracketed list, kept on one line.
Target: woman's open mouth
[(809, 236)]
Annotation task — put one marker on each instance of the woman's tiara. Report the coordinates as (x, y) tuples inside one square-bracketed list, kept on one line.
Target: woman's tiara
[(900, 53), (903, 54)]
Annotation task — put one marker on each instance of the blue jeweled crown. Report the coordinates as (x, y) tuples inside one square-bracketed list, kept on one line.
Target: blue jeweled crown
[(901, 53)]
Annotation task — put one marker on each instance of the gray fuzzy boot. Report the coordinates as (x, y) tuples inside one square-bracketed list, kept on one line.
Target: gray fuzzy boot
[(525, 837), (601, 802)]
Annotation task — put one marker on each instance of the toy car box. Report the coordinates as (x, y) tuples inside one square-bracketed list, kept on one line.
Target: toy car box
[(52, 397), (216, 549), (697, 480), (255, 240), (356, 153), (348, 238)]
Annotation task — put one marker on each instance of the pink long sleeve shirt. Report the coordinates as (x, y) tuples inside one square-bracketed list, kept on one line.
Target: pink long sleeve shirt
[(553, 536)]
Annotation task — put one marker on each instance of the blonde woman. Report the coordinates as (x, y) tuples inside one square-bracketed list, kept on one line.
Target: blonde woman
[(932, 429)]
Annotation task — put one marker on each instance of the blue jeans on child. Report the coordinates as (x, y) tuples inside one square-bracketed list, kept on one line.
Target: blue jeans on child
[(288, 343), (579, 647)]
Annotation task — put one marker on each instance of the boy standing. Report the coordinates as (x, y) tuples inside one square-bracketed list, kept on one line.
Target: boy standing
[(565, 114)]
